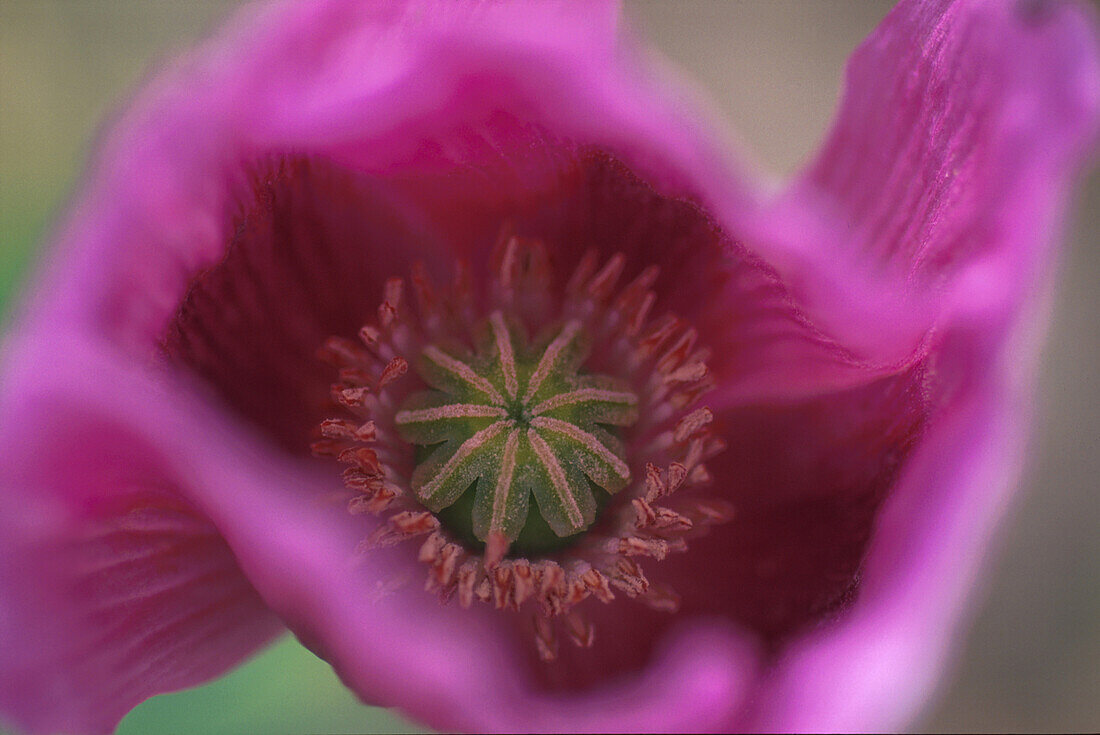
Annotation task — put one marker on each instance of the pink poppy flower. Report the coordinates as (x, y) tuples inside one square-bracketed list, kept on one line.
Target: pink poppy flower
[(668, 451)]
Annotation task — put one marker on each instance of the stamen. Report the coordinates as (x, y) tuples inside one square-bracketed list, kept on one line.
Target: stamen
[(495, 549), (393, 371), (392, 291), (426, 297), (628, 576), (580, 629), (661, 598), (584, 270), (400, 527), (599, 288), (597, 584), (523, 576), (691, 423), (640, 315), (453, 450), (638, 546), (659, 519), (545, 639), (551, 592), (509, 264), (467, 580)]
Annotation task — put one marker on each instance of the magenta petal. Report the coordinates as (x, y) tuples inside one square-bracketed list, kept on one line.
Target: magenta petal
[(886, 654), (982, 190), (919, 240), (954, 112), (960, 126), (115, 588)]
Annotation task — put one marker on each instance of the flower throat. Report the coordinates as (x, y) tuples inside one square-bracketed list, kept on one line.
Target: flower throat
[(537, 441)]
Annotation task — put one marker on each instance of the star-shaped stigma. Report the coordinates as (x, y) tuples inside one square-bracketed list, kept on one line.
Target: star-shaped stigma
[(517, 420)]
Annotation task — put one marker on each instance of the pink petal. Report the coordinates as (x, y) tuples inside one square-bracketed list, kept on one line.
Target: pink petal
[(983, 227), (115, 588), (960, 127), (875, 667), (399, 99), (436, 106)]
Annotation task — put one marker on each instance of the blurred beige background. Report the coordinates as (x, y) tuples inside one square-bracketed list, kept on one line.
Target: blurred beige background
[(773, 68)]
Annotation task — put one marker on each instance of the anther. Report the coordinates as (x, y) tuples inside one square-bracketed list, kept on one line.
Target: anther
[(677, 473), (523, 581), (580, 629), (628, 577), (691, 423), (634, 294), (404, 525), (425, 292), (597, 584), (444, 566), (363, 457), (338, 429), (584, 270), (655, 486), (429, 550), (350, 397), (551, 580), (601, 285), (545, 639), (392, 291), (495, 549), (658, 518), (687, 373), (675, 354), (662, 598), (665, 327), (638, 546), (468, 577), (373, 500), (709, 511), (501, 576), (394, 370), (641, 314), (370, 335)]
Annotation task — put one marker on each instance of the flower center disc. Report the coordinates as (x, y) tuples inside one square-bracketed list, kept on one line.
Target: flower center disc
[(512, 421), (571, 395)]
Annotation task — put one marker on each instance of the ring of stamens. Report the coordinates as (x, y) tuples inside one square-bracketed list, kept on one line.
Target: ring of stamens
[(488, 411)]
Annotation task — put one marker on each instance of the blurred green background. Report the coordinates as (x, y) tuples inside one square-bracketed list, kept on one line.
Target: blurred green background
[(1029, 661)]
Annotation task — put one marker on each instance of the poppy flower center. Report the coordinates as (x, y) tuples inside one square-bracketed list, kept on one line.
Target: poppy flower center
[(538, 439), (513, 420)]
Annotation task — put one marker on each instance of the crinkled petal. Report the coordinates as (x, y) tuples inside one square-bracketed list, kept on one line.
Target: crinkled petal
[(960, 127)]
